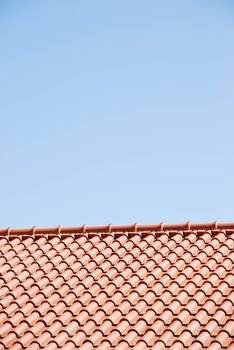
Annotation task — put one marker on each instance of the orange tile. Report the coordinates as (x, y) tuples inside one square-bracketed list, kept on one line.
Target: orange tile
[(163, 289)]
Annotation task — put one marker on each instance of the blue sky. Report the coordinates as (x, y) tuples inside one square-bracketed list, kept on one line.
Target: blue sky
[(116, 112)]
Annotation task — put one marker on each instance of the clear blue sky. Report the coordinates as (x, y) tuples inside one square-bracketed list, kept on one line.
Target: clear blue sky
[(116, 112)]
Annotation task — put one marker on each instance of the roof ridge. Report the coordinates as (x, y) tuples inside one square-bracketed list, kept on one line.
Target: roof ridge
[(215, 225)]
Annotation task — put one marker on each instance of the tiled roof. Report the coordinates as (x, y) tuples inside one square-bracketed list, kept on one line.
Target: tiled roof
[(128, 287)]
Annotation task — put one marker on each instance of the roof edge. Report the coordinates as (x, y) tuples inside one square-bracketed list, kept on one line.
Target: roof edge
[(215, 225)]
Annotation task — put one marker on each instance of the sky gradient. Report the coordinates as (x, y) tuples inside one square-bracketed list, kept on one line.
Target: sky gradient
[(116, 112)]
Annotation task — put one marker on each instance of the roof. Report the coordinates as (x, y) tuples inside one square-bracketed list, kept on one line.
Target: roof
[(118, 287)]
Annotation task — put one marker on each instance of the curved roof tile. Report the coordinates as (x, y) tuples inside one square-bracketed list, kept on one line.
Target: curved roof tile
[(118, 287)]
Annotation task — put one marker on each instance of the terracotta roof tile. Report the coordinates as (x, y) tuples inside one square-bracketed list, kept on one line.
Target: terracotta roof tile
[(131, 287)]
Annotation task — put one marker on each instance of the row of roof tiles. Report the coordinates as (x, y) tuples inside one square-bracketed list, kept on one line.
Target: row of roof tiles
[(187, 226)]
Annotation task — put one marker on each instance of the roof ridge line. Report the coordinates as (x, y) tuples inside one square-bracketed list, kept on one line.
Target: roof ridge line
[(215, 225)]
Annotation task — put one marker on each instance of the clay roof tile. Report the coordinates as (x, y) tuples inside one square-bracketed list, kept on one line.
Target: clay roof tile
[(117, 287)]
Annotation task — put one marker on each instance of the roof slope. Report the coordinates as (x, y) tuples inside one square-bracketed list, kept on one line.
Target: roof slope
[(152, 289)]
